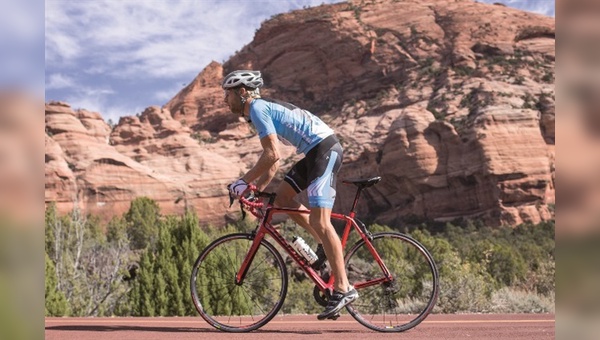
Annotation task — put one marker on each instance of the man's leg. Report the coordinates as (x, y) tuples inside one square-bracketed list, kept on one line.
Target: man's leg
[(343, 293), (285, 198), (320, 220)]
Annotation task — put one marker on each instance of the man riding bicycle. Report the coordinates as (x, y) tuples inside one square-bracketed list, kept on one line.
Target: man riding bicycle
[(316, 172)]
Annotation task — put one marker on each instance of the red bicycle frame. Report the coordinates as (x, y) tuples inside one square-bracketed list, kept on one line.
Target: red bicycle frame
[(265, 228)]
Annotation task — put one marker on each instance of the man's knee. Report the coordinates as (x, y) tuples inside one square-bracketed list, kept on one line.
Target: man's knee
[(320, 219)]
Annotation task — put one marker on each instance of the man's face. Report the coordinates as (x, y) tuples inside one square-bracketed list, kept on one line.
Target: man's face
[(232, 99)]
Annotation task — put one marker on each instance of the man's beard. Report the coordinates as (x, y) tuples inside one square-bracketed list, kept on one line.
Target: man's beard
[(237, 108)]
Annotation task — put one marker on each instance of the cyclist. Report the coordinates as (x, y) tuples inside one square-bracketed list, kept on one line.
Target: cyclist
[(279, 121)]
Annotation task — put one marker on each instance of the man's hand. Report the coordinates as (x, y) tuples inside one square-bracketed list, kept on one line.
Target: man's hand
[(238, 187)]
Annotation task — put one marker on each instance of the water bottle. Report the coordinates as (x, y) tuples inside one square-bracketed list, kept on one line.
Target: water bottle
[(303, 249)]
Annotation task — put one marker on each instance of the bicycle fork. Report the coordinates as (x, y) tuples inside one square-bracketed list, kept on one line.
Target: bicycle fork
[(241, 274)]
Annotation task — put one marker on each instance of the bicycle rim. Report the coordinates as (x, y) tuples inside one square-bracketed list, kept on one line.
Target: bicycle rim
[(238, 308), (405, 301)]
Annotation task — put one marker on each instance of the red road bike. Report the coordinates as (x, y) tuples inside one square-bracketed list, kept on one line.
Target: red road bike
[(239, 281)]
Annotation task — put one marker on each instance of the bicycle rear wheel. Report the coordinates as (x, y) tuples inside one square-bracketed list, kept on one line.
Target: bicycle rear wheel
[(243, 307), (404, 301)]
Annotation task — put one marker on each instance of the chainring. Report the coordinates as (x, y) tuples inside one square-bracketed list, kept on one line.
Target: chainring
[(321, 298)]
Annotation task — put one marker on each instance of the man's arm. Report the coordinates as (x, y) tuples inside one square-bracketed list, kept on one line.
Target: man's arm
[(267, 164)]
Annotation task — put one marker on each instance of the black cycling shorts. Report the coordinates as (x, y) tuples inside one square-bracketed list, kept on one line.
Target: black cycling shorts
[(317, 172)]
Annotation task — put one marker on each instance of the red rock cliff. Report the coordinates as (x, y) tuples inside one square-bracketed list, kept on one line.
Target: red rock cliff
[(451, 102)]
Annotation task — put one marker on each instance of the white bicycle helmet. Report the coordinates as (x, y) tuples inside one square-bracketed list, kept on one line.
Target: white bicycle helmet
[(249, 78)]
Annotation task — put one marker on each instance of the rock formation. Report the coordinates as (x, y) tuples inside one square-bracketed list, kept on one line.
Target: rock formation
[(451, 102)]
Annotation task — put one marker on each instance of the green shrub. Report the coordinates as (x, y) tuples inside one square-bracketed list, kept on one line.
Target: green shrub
[(467, 288), (464, 286), (510, 300), (505, 265), (55, 301), (481, 269), (87, 266), (163, 283), (143, 220)]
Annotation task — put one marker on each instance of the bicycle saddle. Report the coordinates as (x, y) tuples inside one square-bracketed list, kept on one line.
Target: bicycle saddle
[(363, 182)]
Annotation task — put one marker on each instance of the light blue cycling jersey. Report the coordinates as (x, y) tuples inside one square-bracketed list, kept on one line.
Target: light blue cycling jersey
[(292, 125)]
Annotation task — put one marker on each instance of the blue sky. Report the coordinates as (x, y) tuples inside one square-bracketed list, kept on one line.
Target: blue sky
[(118, 57), (22, 45)]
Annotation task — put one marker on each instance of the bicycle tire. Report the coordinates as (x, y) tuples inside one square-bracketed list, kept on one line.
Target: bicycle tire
[(228, 306), (401, 304)]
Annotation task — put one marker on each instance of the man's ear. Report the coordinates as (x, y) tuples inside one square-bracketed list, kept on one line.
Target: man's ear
[(242, 91)]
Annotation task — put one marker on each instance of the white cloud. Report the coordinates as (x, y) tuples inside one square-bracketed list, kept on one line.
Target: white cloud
[(167, 94), (59, 81), (61, 39), (93, 99), (98, 100), (142, 38), (157, 39)]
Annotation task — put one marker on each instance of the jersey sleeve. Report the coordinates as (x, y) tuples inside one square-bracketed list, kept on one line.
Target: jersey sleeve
[(262, 120)]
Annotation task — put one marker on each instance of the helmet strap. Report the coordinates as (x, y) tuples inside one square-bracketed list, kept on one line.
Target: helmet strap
[(243, 100)]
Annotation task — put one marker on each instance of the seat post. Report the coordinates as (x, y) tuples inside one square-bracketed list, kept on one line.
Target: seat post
[(352, 211), (360, 184)]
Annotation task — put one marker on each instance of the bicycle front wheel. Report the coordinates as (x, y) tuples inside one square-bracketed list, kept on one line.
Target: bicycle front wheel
[(243, 307), (399, 303)]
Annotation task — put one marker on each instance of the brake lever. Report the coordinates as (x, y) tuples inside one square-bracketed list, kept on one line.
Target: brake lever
[(231, 197), (243, 211), (250, 197)]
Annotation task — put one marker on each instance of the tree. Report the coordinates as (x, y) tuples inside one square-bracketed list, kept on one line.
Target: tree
[(141, 295), (55, 302), (50, 218), (143, 218), (88, 268), (162, 283)]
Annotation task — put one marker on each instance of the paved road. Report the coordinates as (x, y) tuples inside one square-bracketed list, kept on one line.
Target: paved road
[(462, 326)]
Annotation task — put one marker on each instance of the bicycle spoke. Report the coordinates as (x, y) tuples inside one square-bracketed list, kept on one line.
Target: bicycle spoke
[(255, 266), (250, 299), (238, 307), (403, 302)]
